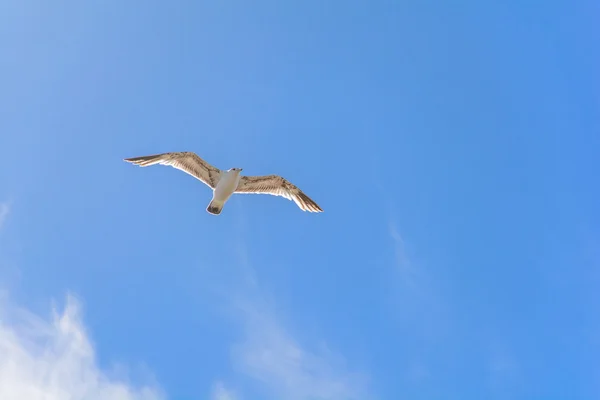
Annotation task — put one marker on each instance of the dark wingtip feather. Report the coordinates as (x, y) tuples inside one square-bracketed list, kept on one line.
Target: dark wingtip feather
[(309, 203), (143, 160)]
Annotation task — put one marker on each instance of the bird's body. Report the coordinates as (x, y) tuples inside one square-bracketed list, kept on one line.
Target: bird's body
[(225, 188), (226, 183)]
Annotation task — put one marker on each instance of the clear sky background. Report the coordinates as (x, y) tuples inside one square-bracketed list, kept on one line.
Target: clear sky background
[(453, 146)]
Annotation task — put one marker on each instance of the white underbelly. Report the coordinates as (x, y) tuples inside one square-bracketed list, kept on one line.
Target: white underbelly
[(226, 187)]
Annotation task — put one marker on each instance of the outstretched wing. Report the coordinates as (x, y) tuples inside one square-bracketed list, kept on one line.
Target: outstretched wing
[(277, 186), (185, 161)]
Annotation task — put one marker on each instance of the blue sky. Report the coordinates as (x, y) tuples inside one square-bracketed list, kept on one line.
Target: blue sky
[(453, 147)]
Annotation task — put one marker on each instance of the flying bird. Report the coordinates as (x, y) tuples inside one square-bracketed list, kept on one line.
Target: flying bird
[(226, 183)]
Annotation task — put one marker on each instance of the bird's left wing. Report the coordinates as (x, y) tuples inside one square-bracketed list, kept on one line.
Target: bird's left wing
[(185, 161), (277, 186)]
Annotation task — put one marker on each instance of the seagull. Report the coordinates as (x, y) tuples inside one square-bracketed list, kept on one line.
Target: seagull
[(226, 183)]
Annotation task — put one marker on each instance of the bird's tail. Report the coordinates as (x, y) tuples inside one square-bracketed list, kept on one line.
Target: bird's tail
[(215, 207)]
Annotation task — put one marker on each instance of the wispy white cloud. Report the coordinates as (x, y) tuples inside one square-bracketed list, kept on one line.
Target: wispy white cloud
[(4, 210), (422, 309), (405, 267), (273, 356), (220, 392), (53, 359), (418, 292)]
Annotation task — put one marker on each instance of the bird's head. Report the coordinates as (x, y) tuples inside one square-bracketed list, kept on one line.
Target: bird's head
[(238, 170)]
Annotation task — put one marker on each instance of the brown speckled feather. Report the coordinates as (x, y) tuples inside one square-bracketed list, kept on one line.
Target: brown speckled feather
[(186, 161), (277, 186)]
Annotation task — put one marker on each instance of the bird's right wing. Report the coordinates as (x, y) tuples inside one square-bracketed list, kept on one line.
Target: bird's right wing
[(186, 161), (277, 186)]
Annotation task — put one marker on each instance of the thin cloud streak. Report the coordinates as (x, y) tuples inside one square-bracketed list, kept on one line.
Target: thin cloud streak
[(220, 392), (405, 267), (54, 359), (273, 356), (4, 210), (422, 309)]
